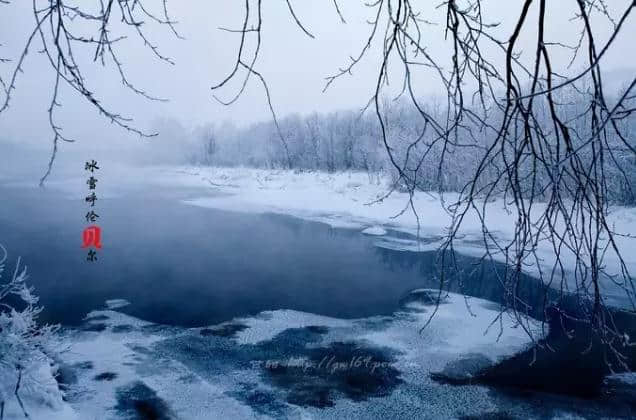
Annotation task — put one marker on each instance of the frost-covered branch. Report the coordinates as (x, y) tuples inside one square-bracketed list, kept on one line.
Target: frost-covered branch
[(24, 344), (552, 163), (70, 35)]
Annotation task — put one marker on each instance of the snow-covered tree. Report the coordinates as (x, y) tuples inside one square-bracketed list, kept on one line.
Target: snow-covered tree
[(25, 346)]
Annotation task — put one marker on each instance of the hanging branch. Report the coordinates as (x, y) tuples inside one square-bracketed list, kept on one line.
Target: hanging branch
[(56, 34), (548, 160), (553, 162)]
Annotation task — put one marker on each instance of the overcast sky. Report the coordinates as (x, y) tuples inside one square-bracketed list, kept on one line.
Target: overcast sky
[(294, 65)]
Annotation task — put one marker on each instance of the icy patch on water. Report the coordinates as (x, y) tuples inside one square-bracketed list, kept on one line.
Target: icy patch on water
[(117, 372), (116, 303), (410, 245), (269, 324), (625, 378), (375, 231), (286, 364)]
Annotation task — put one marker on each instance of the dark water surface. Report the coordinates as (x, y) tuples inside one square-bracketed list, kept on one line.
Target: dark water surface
[(184, 265), (189, 266)]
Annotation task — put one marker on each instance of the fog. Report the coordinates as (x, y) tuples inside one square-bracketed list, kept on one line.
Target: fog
[(294, 65)]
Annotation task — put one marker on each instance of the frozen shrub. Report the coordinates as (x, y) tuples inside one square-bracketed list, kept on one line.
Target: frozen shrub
[(25, 346)]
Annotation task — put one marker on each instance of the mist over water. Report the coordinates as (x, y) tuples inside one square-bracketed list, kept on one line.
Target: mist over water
[(184, 265)]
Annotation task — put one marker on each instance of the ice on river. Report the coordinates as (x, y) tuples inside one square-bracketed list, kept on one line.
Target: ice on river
[(288, 364)]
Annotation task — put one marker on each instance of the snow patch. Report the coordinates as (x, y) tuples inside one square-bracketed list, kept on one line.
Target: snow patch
[(375, 231), (628, 378), (268, 324), (116, 303), (39, 392)]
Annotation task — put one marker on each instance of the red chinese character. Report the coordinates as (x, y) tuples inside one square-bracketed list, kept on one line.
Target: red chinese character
[(92, 236)]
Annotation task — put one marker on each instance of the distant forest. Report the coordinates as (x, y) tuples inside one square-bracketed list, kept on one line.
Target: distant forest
[(351, 141)]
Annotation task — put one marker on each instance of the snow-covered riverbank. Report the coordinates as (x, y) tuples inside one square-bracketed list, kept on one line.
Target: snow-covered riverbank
[(359, 201), (287, 364), (290, 364)]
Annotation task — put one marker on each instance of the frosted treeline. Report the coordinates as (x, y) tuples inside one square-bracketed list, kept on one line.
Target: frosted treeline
[(351, 140)]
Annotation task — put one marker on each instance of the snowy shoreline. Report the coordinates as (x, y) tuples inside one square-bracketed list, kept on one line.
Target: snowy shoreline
[(115, 359), (351, 200), (355, 200)]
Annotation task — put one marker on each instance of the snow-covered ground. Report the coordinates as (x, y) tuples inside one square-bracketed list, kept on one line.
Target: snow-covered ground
[(287, 364), (39, 393)]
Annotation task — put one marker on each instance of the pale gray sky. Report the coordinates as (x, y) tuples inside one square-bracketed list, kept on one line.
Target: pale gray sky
[(294, 65)]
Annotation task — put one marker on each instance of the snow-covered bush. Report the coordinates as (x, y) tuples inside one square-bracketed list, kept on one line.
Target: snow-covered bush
[(25, 346)]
